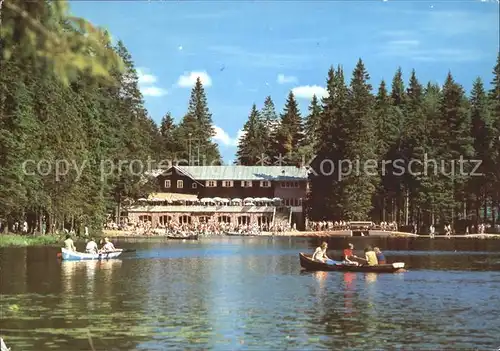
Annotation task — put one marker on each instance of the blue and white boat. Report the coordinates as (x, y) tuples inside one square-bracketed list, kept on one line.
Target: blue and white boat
[(79, 256)]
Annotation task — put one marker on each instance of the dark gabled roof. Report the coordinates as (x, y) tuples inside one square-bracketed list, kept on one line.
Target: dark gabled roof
[(254, 173)]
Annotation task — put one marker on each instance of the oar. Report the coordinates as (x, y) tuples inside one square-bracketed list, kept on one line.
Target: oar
[(128, 250)]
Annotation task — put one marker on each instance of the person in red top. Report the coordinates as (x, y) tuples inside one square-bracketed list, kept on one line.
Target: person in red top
[(349, 257)]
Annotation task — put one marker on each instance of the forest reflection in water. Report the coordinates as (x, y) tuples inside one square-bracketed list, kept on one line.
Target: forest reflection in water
[(236, 294)]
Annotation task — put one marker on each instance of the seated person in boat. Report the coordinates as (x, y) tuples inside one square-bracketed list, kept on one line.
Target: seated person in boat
[(380, 256), (91, 247), (371, 256), (320, 254), (348, 256), (69, 244), (108, 246)]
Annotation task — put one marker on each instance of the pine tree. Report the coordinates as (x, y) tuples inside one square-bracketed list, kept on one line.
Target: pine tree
[(396, 190), (311, 124), (270, 120), (483, 135), (251, 149), (359, 186), (388, 134), (167, 131), (290, 132), (323, 199), (198, 123), (494, 97), (453, 144)]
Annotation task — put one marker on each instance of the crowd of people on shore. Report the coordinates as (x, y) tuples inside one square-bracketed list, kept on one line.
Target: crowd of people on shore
[(210, 228), (325, 226), (373, 256)]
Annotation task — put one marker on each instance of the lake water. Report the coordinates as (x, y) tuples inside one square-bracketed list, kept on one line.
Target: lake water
[(250, 294)]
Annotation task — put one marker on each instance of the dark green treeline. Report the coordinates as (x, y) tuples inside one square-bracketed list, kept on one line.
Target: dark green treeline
[(412, 153), (56, 109), (74, 146)]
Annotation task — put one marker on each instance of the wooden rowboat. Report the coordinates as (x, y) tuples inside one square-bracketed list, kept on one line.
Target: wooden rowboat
[(189, 237), (307, 263), (239, 234), (78, 256)]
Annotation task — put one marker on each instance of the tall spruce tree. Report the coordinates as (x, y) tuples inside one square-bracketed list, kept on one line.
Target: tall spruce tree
[(483, 134), (311, 124), (270, 120), (454, 143), (359, 186), (325, 190), (197, 130), (388, 134), (167, 130), (251, 148), (396, 190), (494, 96), (290, 132)]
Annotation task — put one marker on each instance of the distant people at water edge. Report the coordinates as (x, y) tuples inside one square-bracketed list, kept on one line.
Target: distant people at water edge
[(320, 254), (371, 256), (91, 247), (69, 244), (380, 255)]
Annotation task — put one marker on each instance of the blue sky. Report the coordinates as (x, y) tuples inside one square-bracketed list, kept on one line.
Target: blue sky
[(246, 50)]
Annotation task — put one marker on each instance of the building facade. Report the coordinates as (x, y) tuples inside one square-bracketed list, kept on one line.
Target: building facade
[(240, 195)]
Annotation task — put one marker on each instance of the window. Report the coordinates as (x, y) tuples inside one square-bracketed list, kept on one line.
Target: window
[(246, 184), (227, 183), (211, 183), (290, 185), (265, 184), (185, 219), (244, 220), (194, 185), (180, 184), (167, 183), (224, 219)]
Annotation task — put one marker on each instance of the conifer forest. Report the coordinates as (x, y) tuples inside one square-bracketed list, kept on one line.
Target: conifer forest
[(68, 93)]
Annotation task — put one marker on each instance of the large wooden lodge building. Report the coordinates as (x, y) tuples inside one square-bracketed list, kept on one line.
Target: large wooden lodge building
[(239, 195)]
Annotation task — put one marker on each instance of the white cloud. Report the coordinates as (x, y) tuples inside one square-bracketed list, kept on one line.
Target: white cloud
[(282, 79), (187, 80), (222, 137), (307, 91), (145, 78), (153, 91), (146, 84)]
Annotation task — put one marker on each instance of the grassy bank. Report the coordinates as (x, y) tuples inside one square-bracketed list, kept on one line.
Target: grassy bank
[(13, 240)]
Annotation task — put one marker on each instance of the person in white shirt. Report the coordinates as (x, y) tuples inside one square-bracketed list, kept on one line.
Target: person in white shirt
[(108, 246), (91, 247)]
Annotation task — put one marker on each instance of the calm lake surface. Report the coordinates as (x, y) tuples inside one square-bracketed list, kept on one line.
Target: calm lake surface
[(250, 294)]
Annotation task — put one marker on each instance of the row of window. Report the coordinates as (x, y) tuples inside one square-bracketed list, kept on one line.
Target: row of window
[(230, 184), (292, 202), (185, 219)]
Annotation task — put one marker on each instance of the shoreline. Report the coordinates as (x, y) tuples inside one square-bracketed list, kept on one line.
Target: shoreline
[(18, 240), (117, 234)]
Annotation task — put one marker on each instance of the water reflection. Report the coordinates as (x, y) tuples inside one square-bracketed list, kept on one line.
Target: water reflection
[(236, 294)]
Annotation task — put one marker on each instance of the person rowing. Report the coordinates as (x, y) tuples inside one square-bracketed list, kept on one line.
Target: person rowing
[(349, 258), (320, 254), (91, 247), (108, 246)]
